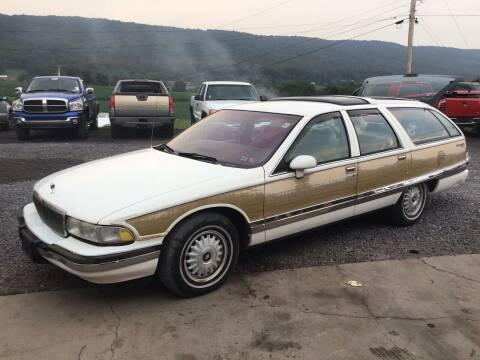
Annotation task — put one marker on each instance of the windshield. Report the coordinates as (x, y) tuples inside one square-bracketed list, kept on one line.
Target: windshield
[(231, 92), (54, 84), (419, 87), (236, 138)]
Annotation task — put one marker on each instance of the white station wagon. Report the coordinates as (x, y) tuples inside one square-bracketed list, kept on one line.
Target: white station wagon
[(182, 211)]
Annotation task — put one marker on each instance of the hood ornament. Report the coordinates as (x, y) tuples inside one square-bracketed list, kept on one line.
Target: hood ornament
[(52, 187)]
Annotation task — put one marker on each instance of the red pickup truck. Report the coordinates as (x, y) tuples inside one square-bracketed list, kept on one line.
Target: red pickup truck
[(463, 106)]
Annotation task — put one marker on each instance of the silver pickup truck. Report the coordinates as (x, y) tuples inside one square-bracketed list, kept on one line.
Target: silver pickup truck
[(141, 104)]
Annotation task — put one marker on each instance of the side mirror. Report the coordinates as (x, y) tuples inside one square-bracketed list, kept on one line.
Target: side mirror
[(90, 90), (3, 98), (263, 98), (18, 91), (198, 97), (302, 163)]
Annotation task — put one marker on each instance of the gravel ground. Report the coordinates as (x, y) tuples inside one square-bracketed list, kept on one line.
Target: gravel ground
[(450, 224)]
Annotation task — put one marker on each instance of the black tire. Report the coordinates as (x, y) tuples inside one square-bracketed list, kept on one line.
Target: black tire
[(22, 134), (204, 115), (81, 131), (94, 123), (414, 196), (192, 117), (116, 131), (176, 268), (169, 131)]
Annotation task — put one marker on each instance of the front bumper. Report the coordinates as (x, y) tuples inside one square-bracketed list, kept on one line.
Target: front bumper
[(142, 122), (48, 121), (101, 265)]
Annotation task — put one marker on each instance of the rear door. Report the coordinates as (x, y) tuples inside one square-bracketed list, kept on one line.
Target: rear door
[(383, 162), (141, 99)]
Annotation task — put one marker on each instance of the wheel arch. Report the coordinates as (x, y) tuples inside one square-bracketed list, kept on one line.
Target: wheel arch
[(238, 217)]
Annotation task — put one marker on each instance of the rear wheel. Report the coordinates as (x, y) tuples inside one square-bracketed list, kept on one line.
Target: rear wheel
[(169, 131), (199, 254), (22, 134), (192, 117), (409, 208), (116, 131)]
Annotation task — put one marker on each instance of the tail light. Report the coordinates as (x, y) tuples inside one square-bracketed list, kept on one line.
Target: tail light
[(442, 105), (111, 103), (171, 105)]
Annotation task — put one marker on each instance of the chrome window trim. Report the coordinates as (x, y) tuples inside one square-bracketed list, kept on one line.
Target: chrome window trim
[(295, 132)]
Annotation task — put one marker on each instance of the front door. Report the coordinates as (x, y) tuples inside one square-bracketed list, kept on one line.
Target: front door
[(325, 194)]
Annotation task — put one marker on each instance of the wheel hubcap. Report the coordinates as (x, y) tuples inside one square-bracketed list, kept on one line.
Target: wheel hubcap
[(413, 201), (205, 256)]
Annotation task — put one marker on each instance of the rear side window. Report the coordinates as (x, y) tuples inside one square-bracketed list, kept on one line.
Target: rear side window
[(373, 131), (420, 124), (452, 130), (140, 87)]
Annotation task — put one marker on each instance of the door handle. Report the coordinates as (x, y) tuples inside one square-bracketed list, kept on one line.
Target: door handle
[(351, 170), (402, 157)]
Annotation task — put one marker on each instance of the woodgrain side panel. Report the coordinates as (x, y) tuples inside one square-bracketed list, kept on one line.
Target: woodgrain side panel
[(435, 158), (291, 194), (377, 173), (249, 200)]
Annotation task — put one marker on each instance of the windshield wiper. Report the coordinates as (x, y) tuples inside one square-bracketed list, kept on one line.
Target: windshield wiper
[(165, 147), (199, 157)]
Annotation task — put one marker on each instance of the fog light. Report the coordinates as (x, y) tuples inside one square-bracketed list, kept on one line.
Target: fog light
[(19, 120), (75, 121)]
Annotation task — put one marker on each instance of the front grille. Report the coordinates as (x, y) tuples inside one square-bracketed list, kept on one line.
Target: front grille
[(54, 218), (45, 106)]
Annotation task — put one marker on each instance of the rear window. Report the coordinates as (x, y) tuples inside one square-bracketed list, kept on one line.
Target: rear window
[(452, 129), (140, 87), (420, 124)]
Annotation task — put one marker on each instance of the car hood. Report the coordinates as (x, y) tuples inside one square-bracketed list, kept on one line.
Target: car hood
[(50, 94), (223, 104), (99, 189)]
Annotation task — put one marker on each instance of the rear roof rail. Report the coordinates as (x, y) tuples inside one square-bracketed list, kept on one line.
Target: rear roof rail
[(391, 98), (343, 100)]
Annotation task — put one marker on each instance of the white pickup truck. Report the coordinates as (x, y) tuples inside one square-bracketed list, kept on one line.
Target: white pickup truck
[(218, 95)]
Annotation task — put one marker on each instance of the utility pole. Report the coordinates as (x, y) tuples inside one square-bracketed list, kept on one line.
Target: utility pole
[(411, 28)]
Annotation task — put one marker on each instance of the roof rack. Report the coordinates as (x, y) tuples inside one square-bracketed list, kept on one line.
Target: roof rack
[(343, 100), (391, 98)]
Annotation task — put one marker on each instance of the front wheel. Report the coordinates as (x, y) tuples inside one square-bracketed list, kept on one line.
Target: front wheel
[(81, 131), (198, 255), (22, 134), (409, 208)]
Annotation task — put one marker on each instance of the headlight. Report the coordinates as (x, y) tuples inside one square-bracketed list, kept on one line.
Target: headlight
[(101, 234), (17, 105), (76, 105)]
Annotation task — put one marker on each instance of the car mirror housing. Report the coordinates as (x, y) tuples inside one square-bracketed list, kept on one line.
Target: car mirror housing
[(90, 90), (18, 91), (302, 163), (263, 98)]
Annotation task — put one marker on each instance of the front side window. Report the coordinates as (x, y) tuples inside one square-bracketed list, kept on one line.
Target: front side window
[(53, 84), (373, 131), (244, 139), (231, 92), (324, 138), (420, 124)]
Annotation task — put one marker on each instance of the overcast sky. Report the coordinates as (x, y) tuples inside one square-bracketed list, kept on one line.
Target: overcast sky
[(331, 19)]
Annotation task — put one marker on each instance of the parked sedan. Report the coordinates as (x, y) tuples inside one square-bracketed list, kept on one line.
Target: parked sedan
[(183, 211)]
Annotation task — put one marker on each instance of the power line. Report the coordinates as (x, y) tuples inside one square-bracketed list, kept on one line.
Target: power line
[(257, 13), (329, 45), (457, 24), (428, 29)]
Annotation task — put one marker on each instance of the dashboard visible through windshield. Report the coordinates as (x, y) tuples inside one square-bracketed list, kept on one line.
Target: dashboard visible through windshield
[(53, 84), (237, 138)]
